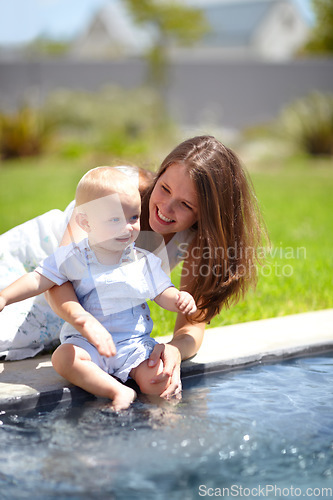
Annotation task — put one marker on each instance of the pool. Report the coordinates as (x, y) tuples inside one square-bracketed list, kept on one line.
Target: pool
[(264, 431)]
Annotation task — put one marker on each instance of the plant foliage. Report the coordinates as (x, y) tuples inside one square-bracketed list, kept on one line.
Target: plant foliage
[(309, 123), (171, 23), (22, 133), (125, 123), (321, 39)]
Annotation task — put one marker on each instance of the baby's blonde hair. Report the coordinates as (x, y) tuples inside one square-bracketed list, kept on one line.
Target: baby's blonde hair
[(102, 181)]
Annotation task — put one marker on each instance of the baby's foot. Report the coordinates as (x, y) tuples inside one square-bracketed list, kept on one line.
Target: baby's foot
[(123, 398)]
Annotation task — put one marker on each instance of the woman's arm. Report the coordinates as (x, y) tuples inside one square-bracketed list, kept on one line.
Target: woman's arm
[(187, 337), (186, 341)]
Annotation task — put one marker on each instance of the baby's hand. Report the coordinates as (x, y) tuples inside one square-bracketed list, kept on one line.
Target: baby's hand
[(96, 334), (185, 303)]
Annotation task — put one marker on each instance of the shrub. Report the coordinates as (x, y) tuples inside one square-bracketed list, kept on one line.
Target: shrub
[(22, 133), (114, 120), (309, 123), (123, 123)]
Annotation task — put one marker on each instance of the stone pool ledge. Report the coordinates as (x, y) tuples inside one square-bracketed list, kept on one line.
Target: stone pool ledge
[(33, 382)]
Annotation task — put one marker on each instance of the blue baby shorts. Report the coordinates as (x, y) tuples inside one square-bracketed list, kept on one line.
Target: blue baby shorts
[(130, 354)]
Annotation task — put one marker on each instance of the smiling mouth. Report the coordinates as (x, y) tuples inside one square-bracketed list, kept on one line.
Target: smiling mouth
[(163, 217), (127, 238)]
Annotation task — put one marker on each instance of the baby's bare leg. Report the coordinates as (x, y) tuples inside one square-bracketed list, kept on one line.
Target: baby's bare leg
[(143, 374), (75, 365)]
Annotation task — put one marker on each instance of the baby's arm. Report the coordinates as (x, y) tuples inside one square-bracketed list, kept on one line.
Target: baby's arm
[(176, 301), (96, 334), (27, 286), (64, 302)]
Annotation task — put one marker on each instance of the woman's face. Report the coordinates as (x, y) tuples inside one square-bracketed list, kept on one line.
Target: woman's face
[(173, 204)]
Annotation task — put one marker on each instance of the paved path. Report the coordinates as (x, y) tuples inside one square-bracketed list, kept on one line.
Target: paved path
[(33, 382)]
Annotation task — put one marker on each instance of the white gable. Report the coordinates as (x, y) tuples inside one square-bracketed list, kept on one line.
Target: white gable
[(112, 32), (282, 33), (258, 29)]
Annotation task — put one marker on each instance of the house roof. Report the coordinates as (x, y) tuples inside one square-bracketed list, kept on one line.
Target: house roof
[(120, 27), (234, 22)]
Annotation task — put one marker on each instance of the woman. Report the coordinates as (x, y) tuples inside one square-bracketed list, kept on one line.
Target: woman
[(203, 207)]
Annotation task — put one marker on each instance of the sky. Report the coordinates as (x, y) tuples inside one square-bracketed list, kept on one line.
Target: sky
[(23, 20)]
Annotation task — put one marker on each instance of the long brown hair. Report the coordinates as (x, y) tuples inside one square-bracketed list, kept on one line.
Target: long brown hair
[(229, 231)]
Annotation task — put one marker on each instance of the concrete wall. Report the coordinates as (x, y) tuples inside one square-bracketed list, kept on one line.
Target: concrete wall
[(232, 94)]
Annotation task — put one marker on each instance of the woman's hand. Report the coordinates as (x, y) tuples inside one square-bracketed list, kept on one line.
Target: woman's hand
[(171, 359)]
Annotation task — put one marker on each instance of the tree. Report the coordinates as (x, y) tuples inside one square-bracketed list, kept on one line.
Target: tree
[(46, 46), (321, 39), (172, 24)]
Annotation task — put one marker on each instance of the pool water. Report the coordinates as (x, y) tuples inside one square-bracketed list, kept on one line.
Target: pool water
[(264, 431)]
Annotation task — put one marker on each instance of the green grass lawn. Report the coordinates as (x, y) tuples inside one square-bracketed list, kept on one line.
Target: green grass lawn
[(297, 203), (32, 186)]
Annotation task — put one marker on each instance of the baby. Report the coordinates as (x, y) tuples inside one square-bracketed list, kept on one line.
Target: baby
[(111, 341)]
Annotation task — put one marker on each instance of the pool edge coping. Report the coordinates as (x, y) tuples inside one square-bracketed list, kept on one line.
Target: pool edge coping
[(200, 364)]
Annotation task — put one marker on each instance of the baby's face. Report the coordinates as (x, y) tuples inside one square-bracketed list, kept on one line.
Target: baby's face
[(114, 220)]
